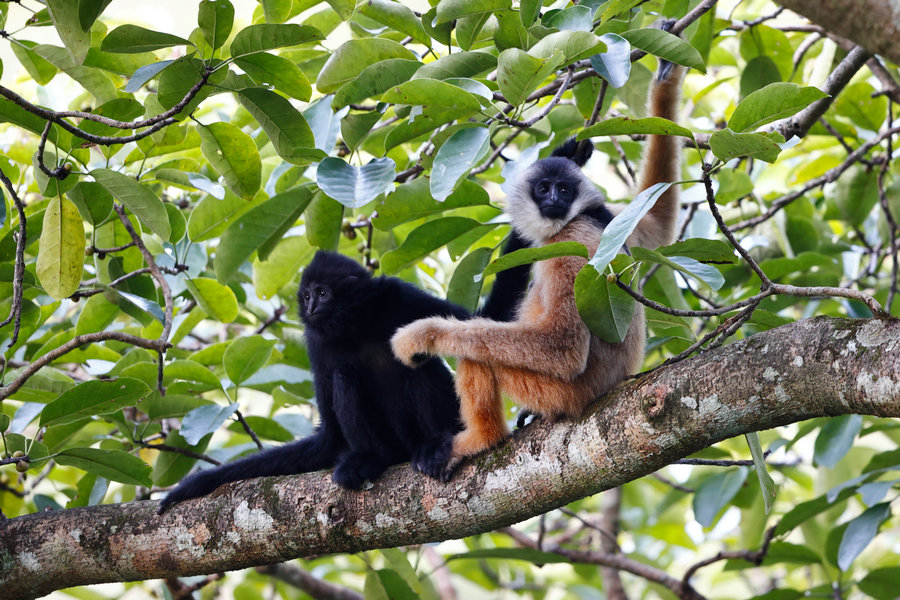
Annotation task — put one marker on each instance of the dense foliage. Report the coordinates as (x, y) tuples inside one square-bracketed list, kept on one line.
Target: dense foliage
[(162, 194)]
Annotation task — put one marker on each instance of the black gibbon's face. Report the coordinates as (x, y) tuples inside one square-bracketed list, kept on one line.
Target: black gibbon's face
[(554, 196), (314, 299)]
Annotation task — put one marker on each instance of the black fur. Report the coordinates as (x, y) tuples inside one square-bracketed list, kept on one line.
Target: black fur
[(509, 285), (577, 152), (374, 411)]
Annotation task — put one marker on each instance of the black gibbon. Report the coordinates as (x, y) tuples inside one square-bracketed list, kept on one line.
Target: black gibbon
[(374, 411), (547, 360)]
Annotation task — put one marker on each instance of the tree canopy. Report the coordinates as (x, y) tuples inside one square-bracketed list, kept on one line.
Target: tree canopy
[(163, 189)]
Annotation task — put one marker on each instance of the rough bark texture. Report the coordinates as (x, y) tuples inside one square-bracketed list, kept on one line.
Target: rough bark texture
[(873, 24), (823, 366)]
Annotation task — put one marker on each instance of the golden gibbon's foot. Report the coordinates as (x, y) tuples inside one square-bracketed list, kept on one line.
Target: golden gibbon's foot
[(414, 343)]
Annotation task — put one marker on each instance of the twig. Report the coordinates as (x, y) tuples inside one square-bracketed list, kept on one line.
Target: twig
[(248, 429), (15, 310), (177, 450), (752, 556)]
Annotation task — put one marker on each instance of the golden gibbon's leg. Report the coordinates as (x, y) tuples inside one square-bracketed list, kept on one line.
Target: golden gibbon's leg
[(481, 407)]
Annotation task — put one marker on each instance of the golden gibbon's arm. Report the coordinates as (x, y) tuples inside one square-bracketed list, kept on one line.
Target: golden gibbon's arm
[(548, 337)]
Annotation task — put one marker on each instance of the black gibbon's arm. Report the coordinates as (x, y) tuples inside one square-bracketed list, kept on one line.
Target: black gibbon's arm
[(374, 411), (547, 360)]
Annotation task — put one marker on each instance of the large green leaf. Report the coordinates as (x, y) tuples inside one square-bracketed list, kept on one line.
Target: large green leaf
[(260, 225), (114, 465), (836, 438), (432, 93), (450, 10), (267, 36), (704, 273), (288, 131), (280, 266), (727, 145), (60, 259), (527, 256), (374, 80), (95, 397), (613, 65), (39, 69), (715, 493), (355, 186), (860, 532), (773, 102), (573, 45), (605, 308), (352, 57), (204, 420), (881, 584), (215, 18), (245, 356), (667, 46), (455, 158), (130, 39), (465, 285), (216, 300), (396, 16), (67, 21), (527, 554), (423, 240), (233, 154), (519, 73), (411, 201), (278, 72), (628, 126), (459, 64), (766, 483), (137, 198)]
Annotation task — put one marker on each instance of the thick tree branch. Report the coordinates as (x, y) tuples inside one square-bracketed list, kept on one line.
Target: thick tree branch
[(818, 367)]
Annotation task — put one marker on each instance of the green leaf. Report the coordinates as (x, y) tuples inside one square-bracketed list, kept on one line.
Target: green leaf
[(268, 36), (527, 256), (263, 224), (355, 186), (613, 65), (766, 483), (60, 259), (89, 10), (704, 273), (131, 39), (114, 465), (96, 397), (278, 72), (836, 438), (398, 560), (455, 158), (715, 493), (432, 93), (727, 144), (282, 264), (245, 356), (215, 299), (616, 7), (623, 224), (67, 21), (188, 370), (809, 509), (39, 69), (881, 584), (287, 129), (465, 285), (605, 308), (137, 198), (459, 64), (145, 74), (233, 154), (171, 467), (411, 201), (666, 46), (423, 240), (759, 72), (733, 185), (773, 102), (629, 126), (860, 532), (374, 80), (215, 18), (205, 420), (450, 10), (96, 314), (573, 45), (323, 220), (519, 73), (396, 16), (352, 57), (701, 249)]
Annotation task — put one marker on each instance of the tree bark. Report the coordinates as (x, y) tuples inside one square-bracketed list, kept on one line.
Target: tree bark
[(818, 367), (873, 24)]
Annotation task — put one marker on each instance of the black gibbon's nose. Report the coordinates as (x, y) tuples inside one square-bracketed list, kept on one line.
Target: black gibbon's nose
[(311, 306)]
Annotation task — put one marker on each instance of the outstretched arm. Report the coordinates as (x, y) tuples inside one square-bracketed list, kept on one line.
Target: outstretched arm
[(509, 285), (549, 338)]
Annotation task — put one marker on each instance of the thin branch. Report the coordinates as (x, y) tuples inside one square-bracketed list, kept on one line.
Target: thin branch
[(15, 310), (752, 556), (240, 417)]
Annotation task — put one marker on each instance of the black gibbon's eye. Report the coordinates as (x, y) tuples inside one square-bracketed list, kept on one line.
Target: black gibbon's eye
[(306, 295), (322, 293), (543, 188), (563, 189)]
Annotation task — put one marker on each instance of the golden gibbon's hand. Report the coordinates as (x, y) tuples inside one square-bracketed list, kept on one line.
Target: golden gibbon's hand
[(414, 343)]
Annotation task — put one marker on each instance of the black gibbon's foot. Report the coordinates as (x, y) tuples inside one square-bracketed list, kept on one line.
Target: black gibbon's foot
[(193, 486), (354, 468), (431, 457), (450, 468)]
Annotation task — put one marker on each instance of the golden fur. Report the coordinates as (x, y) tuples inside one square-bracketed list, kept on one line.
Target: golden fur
[(547, 360)]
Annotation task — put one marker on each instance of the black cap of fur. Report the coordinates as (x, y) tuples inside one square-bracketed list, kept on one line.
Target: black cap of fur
[(577, 152)]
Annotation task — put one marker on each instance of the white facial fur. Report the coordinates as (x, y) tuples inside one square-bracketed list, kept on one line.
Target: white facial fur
[(529, 222)]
